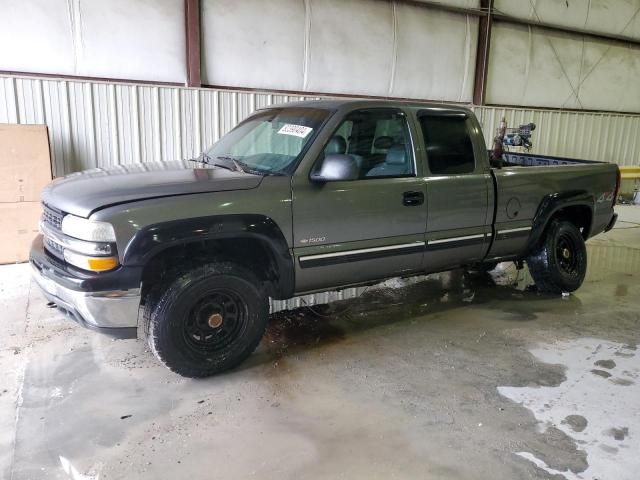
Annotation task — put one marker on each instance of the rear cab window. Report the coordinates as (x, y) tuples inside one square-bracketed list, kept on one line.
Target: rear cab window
[(448, 143)]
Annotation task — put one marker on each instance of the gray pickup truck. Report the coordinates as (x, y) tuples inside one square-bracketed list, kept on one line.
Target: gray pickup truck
[(302, 198)]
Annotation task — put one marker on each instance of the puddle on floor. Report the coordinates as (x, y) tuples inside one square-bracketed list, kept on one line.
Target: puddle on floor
[(396, 300), (308, 327), (600, 412), (596, 405), (64, 427)]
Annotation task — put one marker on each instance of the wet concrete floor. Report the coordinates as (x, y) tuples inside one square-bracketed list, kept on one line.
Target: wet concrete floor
[(455, 377)]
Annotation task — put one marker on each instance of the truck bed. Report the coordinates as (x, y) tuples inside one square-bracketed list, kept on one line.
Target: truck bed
[(513, 159), (520, 191)]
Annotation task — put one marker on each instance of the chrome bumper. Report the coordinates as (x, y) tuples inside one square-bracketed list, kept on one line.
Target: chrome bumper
[(113, 312)]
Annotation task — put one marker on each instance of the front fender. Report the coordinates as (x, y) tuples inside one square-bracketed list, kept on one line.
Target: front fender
[(153, 239)]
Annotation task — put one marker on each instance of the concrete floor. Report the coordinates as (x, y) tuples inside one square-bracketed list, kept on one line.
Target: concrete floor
[(450, 378)]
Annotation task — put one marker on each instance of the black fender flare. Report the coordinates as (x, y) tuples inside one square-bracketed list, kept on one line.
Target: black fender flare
[(155, 238), (550, 205)]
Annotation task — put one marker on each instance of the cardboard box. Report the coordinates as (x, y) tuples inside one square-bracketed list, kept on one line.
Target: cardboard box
[(25, 162), (18, 227)]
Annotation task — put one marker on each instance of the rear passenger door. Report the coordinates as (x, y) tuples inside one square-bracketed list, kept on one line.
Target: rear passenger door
[(348, 232), (459, 190)]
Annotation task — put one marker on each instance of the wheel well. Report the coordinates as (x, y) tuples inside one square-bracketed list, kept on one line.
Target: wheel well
[(579, 215), (251, 253)]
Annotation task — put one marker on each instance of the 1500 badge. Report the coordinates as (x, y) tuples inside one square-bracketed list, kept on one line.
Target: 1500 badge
[(313, 240)]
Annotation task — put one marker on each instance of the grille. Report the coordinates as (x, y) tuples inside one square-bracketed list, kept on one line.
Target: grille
[(53, 248), (52, 218)]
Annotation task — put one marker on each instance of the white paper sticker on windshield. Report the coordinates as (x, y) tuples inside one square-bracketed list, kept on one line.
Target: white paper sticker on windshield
[(295, 130)]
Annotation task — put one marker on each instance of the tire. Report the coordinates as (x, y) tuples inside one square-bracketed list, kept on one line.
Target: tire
[(560, 263), (146, 310), (207, 320)]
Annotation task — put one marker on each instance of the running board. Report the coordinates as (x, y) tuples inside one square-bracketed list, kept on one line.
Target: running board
[(322, 298)]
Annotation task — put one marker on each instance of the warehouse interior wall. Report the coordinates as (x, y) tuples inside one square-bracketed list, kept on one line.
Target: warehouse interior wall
[(134, 40), (579, 87), (558, 70), (593, 65), (360, 47), (617, 17)]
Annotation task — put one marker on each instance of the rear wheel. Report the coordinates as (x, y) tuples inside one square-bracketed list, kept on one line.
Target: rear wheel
[(207, 320), (560, 262)]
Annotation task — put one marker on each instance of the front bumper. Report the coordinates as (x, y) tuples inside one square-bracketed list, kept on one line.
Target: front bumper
[(612, 222), (114, 312)]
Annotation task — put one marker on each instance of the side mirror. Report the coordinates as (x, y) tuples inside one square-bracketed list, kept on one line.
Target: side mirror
[(336, 167)]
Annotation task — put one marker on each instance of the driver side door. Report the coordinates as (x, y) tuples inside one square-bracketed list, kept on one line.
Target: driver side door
[(349, 232)]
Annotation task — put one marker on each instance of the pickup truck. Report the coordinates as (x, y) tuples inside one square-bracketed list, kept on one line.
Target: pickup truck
[(302, 198)]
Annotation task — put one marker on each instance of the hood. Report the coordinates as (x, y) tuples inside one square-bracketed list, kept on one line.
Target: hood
[(84, 192)]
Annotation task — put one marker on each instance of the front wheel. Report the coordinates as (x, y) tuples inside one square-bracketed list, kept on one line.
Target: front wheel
[(560, 262), (208, 320)]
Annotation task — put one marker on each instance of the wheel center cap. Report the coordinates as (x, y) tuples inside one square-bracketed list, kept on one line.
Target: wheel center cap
[(566, 253), (215, 320)]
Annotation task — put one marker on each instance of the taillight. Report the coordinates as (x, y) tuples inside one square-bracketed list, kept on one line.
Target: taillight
[(615, 192)]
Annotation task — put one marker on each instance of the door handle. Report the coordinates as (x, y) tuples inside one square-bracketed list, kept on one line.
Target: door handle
[(412, 199)]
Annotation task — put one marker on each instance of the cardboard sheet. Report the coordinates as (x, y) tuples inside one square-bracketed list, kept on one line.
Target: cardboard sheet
[(25, 163), (18, 227)]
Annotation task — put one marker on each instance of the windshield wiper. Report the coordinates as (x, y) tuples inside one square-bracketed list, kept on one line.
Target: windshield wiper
[(243, 167), (202, 158), (233, 164), (240, 166), (207, 160), (246, 168), (237, 164)]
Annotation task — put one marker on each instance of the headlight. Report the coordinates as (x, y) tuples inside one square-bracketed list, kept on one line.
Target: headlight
[(85, 262), (89, 230)]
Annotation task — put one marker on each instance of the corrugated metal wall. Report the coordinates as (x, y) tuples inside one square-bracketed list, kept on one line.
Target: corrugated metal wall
[(95, 124), (609, 137)]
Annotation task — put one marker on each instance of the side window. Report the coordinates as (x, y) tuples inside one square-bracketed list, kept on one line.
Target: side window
[(449, 147), (378, 140)]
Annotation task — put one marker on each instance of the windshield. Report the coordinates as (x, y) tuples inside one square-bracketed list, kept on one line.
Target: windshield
[(269, 142)]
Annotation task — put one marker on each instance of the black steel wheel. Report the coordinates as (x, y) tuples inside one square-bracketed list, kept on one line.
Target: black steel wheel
[(560, 262), (566, 254), (215, 321), (207, 320)]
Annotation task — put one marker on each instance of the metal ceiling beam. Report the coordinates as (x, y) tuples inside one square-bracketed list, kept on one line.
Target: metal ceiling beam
[(54, 76), (482, 53), (192, 31), (478, 12), (498, 17)]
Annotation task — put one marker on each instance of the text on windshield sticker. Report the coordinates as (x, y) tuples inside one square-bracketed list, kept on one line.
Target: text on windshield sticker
[(295, 130)]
